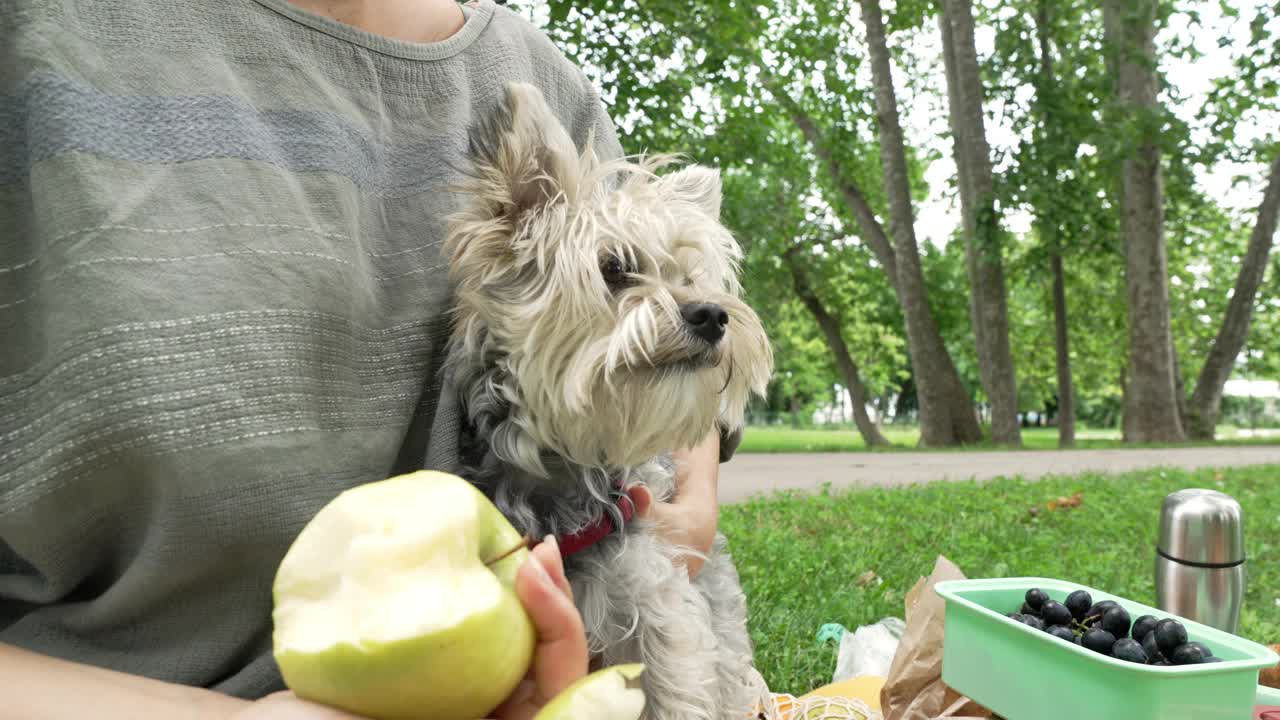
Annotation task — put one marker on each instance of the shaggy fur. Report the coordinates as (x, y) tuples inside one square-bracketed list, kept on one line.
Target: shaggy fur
[(579, 374)]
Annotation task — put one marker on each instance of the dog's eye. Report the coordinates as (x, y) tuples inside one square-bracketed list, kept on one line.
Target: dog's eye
[(616, 272)]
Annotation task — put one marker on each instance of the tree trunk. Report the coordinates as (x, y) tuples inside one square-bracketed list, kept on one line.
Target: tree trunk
[(1206, 400), (1126, 421), (1066, 389), (905, 402), (869, 227), (1150, 401), (830, 327), (938, 428), (988, 305), (1052, 237), (1179, 391), (946, 412)]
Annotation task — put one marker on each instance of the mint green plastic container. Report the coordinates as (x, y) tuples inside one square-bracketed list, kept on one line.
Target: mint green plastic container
[(1024, 674)]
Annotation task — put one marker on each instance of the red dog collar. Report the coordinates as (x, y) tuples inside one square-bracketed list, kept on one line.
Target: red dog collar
[(592, 534)]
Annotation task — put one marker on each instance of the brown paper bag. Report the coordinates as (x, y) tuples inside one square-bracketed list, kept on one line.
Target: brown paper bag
[(1270, 677), (914, 689)]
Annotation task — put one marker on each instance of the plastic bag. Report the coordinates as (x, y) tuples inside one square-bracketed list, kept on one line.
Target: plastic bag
[(869, 650)]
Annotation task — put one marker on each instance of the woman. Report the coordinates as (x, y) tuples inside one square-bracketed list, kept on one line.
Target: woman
[(221, 304)]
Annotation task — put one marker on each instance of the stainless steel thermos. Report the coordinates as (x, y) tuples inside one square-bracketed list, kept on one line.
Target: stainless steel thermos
[(1200, 562)]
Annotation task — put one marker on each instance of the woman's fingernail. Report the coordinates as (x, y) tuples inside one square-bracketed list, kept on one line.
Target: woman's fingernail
[(551, 540), (544, 578)]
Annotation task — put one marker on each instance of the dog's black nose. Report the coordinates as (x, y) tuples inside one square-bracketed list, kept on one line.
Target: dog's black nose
[(705, 320)]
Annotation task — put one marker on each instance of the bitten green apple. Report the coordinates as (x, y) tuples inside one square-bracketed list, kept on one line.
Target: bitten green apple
[(397, 602), (610, 694)]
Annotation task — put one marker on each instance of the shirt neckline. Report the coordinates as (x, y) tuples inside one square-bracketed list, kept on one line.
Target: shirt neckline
[(477, 16)]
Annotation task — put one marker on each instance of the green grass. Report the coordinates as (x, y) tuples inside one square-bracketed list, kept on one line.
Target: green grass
[(774, 439), (800, 556)]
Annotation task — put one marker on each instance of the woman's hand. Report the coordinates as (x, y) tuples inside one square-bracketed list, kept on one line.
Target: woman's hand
[(690, 518), (560, 656)]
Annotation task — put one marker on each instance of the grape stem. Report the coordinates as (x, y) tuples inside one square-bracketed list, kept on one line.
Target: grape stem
[(1083, 625)]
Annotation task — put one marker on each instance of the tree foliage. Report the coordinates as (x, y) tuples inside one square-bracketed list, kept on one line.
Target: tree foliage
[(703, 79)]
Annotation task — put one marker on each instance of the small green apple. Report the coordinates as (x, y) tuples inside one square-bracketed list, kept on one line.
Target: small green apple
[(610, 694), (397, 602)]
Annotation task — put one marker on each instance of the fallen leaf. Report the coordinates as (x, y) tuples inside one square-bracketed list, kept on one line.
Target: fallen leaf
[(869, 578), (1072, 501)]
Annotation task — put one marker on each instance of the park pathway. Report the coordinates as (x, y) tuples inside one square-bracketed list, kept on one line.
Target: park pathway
[(750, 473)]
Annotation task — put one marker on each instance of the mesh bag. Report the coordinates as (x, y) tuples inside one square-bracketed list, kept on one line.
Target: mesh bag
[(789, 707)]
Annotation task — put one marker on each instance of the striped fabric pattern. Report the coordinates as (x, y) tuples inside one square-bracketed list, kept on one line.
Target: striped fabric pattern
[(222, 302)]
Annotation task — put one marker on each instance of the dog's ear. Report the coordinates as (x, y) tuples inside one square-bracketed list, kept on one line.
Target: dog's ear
[(523, 154), (695, 184)]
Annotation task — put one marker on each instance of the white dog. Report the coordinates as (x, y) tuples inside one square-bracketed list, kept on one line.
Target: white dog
[(599, 326)]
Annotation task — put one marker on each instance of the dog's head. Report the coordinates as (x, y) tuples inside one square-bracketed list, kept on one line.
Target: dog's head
[(600, 300)]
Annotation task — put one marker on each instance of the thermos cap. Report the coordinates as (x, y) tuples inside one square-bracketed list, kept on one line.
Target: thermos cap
[(1202, 527)]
